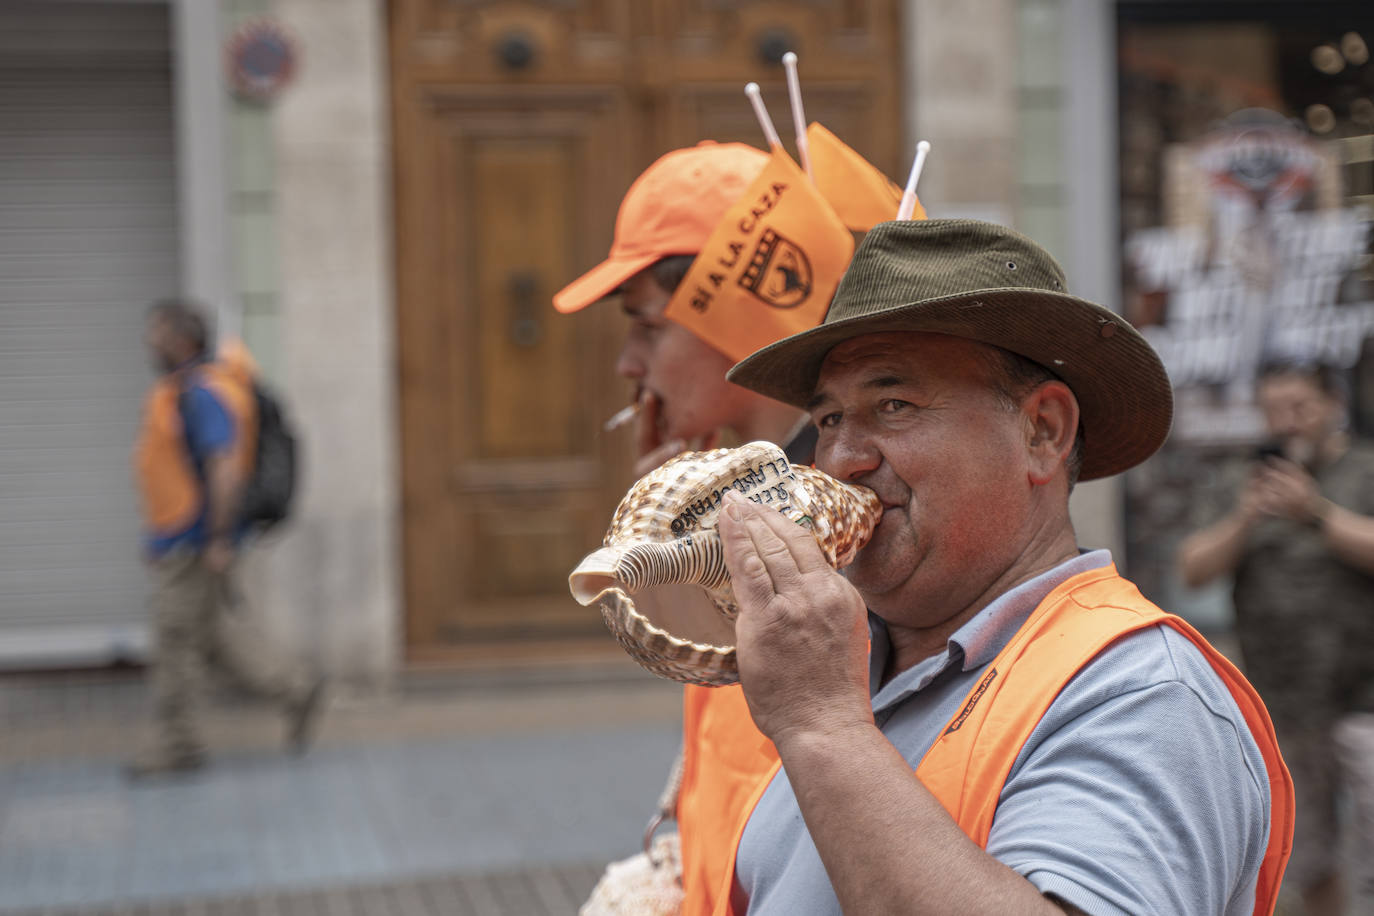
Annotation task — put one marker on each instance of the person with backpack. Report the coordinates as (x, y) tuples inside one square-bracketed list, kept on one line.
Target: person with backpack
[(214, 460)]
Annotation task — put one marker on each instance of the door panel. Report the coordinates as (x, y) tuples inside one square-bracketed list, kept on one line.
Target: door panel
[(503, 412), (522, 188)]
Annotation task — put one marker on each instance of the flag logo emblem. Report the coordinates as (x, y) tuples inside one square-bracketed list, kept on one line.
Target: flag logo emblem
[(779, 273)]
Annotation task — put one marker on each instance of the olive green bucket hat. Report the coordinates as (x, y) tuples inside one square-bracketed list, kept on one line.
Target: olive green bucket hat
[(987, 283)]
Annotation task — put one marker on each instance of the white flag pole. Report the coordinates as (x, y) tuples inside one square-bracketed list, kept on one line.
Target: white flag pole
[(756, 99), (789, 63), (908, 205)]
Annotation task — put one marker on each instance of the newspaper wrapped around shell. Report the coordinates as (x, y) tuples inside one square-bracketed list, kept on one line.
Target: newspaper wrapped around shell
[(663, 537)]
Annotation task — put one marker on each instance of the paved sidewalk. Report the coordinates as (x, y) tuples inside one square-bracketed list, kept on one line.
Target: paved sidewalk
[(523, 892), (459, 796)]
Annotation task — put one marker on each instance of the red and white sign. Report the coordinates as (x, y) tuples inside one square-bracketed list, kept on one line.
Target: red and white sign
[(261, 58)]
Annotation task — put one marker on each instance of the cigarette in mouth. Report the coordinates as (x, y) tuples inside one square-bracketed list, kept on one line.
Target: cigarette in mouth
[(622, 416)]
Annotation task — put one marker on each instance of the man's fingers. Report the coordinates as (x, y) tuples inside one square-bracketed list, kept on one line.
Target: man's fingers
[(1287, 474), (806, 553), (773, 550), (1282, 480), (749, 575), (775, 553)]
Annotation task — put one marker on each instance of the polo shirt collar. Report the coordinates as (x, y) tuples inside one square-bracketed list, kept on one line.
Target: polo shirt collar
[(979, 640)]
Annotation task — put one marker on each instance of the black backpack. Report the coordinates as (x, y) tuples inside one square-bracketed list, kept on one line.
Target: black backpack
[(268, 491)]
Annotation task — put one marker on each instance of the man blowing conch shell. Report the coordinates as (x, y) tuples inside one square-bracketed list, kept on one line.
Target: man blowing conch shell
[(978, 716)]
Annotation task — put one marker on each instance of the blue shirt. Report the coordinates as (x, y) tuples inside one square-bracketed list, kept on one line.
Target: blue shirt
[(210, 431), (1141, 790)]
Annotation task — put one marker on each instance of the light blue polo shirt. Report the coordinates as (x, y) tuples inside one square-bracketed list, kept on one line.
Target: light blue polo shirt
[(1141, 791)]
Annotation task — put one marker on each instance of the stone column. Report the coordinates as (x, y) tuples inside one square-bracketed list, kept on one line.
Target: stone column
[(332, 581), (961, 96)]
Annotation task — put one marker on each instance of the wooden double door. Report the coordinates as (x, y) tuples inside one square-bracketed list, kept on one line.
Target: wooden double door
[(518, 126)]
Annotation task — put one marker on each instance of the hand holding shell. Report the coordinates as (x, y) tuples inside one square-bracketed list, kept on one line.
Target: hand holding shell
[(664, 533)]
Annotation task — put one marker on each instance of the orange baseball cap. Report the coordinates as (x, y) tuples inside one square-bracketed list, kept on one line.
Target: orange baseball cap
[(670, 209)]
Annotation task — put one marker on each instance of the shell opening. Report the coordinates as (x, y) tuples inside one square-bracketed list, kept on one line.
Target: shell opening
[(594, 575), (687, 613), (695, 560)]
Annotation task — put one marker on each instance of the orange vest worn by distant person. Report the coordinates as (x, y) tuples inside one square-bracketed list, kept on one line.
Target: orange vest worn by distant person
[(171, 495), (723, 758), (968, 765)]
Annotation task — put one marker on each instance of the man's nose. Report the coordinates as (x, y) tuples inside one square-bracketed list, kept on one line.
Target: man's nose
[(1284, 425), (849, 455), (629, 364)]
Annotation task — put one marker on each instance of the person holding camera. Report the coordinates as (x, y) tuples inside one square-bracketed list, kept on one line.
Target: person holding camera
[(1299, 542)]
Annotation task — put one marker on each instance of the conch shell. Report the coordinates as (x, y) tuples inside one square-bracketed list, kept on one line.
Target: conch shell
[(663, 536)]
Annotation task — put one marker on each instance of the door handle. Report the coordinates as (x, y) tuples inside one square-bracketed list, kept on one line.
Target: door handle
[(525, 327)]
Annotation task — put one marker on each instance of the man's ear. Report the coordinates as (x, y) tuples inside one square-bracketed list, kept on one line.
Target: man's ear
[(1051, 413)]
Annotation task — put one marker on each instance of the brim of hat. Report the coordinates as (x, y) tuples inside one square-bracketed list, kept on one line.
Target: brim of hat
[(599, 282), (1125, 400)]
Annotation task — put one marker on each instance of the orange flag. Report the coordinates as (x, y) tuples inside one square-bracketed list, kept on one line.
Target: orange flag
[(769, 268), (860, 194)]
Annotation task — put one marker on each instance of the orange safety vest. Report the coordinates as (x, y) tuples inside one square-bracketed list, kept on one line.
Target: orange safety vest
[(171, 495), (968, 764), (724, 756)]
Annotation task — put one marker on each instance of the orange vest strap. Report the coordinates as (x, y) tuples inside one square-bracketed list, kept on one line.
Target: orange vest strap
[(724, 903), (724, 756), (170, 491), (969, 763)]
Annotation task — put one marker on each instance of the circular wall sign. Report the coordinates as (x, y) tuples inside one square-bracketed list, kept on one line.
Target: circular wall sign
[(262, 59)]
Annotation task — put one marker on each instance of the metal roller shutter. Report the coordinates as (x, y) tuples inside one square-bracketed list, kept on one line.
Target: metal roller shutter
[(87, 240)]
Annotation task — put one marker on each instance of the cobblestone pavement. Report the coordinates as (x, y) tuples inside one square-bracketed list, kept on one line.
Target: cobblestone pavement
[(459, 795)]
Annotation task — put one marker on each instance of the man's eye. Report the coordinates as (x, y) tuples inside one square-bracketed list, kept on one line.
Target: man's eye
[(891, 405), (827, 420)]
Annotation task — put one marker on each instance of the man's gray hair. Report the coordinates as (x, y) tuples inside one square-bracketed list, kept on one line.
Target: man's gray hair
[(186, 318), (1013, 376)]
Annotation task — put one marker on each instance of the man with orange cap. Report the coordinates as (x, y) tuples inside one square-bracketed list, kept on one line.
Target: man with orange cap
[(666, 218), (664, 221)]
